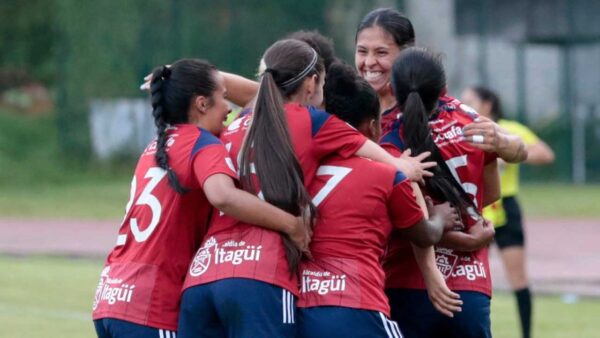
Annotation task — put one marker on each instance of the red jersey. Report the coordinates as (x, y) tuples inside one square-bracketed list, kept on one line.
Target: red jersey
[(359, 202), (240, 250), (142, 279), (463, 270)]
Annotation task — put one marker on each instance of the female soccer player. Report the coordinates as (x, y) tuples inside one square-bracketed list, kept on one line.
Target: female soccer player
[(465, 176), (178, 178), (381, 36), (359, 202), (243, 281), (506, 213)]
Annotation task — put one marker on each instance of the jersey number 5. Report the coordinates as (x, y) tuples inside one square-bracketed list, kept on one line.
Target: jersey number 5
[(155, 175)]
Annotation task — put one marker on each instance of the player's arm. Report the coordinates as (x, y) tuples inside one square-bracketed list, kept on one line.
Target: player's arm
[(442, 298), (240, 90), (539, 153), (487, 135), (426, 230), (476, 237), (222, 193), (413, 167), (491, 182)]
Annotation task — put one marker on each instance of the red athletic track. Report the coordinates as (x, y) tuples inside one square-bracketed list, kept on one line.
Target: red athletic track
[(563, 254)]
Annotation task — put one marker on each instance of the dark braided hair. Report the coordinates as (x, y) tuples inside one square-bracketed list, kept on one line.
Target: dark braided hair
[(418, 79), (172, 91), (348, 96)]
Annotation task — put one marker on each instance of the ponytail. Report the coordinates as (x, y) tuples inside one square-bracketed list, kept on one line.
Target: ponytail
[(268, 151), (442, 186), (418, 79), (159, 78)]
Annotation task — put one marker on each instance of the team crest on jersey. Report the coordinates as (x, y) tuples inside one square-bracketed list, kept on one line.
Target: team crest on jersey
[(202, 260), (446, 261)]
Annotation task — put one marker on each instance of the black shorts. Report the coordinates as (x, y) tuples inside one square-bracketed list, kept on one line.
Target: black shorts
[(511, 234)]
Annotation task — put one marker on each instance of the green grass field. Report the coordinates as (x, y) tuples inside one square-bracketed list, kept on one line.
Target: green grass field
[(52, 297)]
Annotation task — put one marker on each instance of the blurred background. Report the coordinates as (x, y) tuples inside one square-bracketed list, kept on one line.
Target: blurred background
[(73, 121)]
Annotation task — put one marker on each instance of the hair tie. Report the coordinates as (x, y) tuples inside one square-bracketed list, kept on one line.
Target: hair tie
[(273, 72), (303, 73), (413, 89)]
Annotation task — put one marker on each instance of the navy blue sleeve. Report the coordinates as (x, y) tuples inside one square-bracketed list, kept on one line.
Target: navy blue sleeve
[(399, 178)]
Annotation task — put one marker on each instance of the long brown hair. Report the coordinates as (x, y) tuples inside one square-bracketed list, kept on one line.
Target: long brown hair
[(267, 147)]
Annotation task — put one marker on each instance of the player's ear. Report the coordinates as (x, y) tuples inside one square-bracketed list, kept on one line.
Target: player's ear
[(201, 103)]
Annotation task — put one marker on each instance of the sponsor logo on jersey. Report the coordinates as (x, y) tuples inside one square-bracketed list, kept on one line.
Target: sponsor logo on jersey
[(112, 290), (322, 282), (450, 265), (453, 134), (231, 252), (471, 271)]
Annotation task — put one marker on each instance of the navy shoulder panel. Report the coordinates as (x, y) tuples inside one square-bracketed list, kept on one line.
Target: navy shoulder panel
[(205, 139), (317, 118), (393, 136), (399, 177)]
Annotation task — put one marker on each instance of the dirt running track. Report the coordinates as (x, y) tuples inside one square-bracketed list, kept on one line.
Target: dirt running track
[(563, 254)]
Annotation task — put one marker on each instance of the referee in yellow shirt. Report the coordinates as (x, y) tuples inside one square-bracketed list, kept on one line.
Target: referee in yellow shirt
[(506, 213)]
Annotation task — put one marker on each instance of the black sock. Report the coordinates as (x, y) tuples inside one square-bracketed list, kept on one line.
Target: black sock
[(524, 303)]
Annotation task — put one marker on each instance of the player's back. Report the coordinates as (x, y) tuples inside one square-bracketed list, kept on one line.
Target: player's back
[(354, 198), (159, 234), (315, 134), (462, 270)]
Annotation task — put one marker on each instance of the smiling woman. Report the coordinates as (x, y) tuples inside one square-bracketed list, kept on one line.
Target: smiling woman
[(380, 37)]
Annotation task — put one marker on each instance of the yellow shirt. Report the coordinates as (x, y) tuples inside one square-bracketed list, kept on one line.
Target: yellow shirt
[(509, 172)]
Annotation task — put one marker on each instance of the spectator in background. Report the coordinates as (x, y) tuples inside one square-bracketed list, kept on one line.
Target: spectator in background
[(506, 213)]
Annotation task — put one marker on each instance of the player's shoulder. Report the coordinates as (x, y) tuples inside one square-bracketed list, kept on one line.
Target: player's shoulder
[(393, 135), (204, 139), (452, 108), (318, 118)]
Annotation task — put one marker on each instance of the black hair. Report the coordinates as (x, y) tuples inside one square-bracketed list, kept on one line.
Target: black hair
[(268, 144), (172, 91), (487, 95), (418, 79), (393, 22), (320, 43), (349, 96)]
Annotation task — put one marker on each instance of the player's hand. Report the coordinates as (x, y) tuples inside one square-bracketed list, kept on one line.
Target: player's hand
[(301, 235), (413, 167), (483, 232), (147, 79), (443, 299), (485, 134), (448, 213)]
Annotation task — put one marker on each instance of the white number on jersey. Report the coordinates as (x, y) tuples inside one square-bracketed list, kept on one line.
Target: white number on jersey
[(470, 188), (155, 175), (337, 175)]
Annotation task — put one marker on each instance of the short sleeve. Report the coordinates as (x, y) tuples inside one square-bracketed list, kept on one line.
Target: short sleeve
[(210, 160), (333, 136), (403, 208)]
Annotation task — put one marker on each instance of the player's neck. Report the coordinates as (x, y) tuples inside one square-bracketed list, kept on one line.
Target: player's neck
[(386, 102)]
